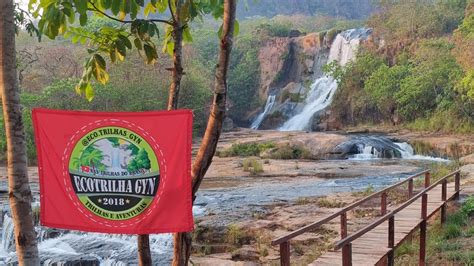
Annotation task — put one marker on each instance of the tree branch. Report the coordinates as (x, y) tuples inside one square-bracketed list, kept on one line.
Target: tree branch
[(171, 11), (95, 9)]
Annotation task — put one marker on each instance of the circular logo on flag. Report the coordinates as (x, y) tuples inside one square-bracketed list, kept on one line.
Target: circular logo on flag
[(114, 172)]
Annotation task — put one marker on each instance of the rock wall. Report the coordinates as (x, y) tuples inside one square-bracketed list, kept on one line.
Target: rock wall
[(288, 66)]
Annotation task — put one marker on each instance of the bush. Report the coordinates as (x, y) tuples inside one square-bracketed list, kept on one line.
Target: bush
[(288, 152), (246, 149), (275, 29), (252, 165)]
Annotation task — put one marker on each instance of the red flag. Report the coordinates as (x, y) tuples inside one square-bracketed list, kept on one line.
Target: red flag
[(125, 173)]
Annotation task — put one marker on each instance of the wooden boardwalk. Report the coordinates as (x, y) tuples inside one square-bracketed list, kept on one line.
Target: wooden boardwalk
[(375, 242), (372, 247)]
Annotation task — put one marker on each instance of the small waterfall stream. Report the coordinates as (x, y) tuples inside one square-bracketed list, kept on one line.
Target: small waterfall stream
[(268, 106)]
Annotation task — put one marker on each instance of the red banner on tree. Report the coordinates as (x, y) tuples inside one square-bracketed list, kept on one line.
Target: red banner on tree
[(125, 173)]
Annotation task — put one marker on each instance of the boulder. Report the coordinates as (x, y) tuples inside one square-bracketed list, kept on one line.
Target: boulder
[(228, 124), (246, 253), (469, 159)]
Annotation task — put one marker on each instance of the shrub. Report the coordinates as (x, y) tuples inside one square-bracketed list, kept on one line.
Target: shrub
[(252, 165), (246, 149), (288, 152), (327, 203), (452, 230)]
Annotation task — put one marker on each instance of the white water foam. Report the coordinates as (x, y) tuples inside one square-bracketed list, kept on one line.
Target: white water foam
[(408, 153), (367, 152), (108, 249)]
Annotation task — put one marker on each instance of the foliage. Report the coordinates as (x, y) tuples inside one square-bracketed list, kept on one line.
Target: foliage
[(406, 21), (58, 17), (246, 149), (334, 70), (289, 151), (252, 165), (121, 94), (243, 84), (468, 206), (275, 29), (431, 83), (324, 202), (22, 19), (419, 77), (383, 85), (350, 104)]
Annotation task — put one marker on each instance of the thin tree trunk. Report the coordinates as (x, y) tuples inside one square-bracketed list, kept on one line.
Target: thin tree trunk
[(144, 253), (177, 57), (182, 244), (19, 189)]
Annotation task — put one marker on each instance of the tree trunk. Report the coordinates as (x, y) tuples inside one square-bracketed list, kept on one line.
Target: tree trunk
[(177, 57), (182, 244), (19, 189), (144, 253)]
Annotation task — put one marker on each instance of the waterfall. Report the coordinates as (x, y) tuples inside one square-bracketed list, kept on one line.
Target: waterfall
[(7, 233), (343, 50), (268, 106), (320, 97), (345, 45)]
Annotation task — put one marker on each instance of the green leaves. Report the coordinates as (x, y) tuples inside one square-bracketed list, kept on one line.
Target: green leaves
[(81, 6), (94, 67), (58, 17)]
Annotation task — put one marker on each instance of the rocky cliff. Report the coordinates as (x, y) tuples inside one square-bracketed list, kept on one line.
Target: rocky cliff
[(288, 66)]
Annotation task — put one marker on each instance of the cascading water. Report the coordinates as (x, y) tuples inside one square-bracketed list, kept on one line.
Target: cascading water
[(62, 247), (407, 152), (7, 234), (268, 106), (400, 150), (343, 50), (320, 96)]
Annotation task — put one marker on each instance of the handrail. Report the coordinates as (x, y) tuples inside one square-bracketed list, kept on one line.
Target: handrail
[(339, 244), (349, 207)]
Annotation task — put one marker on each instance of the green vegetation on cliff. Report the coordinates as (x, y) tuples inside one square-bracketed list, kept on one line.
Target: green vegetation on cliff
[(416, 71)]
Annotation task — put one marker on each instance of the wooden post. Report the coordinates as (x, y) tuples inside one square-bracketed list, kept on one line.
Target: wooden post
[(427, 179), (383, 203), (285, 253), (457, 184), (347, 255), (424, 205), (343, 225), (391, 240), (443, 198), (410, 188)]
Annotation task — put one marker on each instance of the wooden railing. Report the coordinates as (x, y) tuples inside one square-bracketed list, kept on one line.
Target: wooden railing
[(346, 241)]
